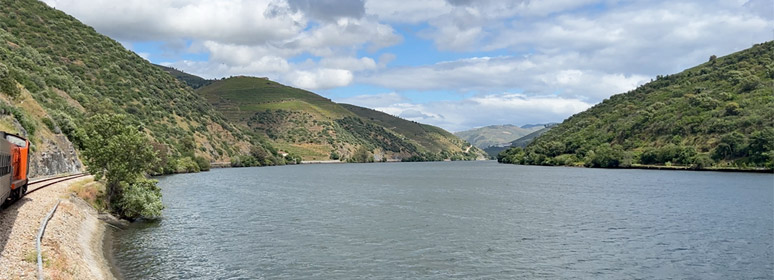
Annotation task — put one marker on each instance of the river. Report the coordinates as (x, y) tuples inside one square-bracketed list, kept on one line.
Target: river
[(441, 220)]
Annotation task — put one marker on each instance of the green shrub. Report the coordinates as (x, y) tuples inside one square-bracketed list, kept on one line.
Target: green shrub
[(607, 156), (141, 199), (7, 82), (51, 126), (187, 165), (702, 161), (203, 163), (119, 153)]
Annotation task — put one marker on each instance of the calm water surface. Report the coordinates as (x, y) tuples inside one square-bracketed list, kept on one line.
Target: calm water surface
[(455, 220)]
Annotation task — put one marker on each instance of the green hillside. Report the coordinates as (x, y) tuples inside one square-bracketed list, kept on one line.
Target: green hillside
[(495, 135), (311, 126), (716, 115), (56, 71), (432, 139), (239, 98)]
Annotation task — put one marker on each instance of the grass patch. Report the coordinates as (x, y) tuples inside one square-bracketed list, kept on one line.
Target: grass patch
[(32, 257), (92, 192), (307, 151)]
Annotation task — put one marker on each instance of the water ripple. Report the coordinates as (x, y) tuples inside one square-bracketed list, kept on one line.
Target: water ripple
[(468, 220)]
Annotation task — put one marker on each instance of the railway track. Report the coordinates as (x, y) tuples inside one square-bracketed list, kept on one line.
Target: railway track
[(50, 181), (35, 185)]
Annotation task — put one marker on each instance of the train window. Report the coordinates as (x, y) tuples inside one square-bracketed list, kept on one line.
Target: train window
[(5, 164), (16, 140)]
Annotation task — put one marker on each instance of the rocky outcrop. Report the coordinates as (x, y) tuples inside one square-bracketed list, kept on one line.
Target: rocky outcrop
[(54, 156)]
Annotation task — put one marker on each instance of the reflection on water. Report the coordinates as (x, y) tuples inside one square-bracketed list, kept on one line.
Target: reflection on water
[(455, 220)]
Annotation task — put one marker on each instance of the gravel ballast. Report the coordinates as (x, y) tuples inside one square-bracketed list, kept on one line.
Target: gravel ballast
[(71, 246)]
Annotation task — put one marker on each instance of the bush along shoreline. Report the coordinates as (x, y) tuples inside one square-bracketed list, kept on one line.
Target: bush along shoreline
[(118, 153)]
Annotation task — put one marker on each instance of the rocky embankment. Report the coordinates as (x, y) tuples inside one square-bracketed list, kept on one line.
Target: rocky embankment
[(55, 156), (51, 153), (72, 243)]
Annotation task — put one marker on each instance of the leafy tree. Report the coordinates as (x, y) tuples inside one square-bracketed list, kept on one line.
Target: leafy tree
[(362, 155), (702, 161), (187, 165), (731, 145), (261, 155), (141, 198), (122, 155), (607, 156), (7, 82), (732, 108), (203, 163), (761, 147)]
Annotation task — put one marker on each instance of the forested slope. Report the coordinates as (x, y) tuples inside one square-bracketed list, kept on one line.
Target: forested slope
[(71, 72), (719, 114)]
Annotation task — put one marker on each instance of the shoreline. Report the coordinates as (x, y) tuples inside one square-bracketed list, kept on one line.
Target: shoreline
[(73, 242), (73, 245), (91, 248), (107, 252), (684, 168), (662, 167)]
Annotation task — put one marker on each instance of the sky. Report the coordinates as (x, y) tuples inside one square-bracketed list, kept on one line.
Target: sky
[(457, 64)]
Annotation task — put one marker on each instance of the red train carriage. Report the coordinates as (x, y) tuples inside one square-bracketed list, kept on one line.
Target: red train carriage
[(14, 166)]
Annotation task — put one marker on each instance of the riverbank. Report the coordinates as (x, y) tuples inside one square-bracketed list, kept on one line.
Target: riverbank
[(668, 168), (688, 168), (72, 246)]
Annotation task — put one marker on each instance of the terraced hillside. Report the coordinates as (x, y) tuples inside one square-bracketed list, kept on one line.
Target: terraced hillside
[(306, 124)]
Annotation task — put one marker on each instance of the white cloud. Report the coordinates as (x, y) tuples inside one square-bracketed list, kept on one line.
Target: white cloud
[(144, 55), (329, 10), (228, 21), (657, 38), (374, 100), (247, 37), (537, 75), (479, 110), (349, 34), (407, 11), (349, 63), (320, 79)]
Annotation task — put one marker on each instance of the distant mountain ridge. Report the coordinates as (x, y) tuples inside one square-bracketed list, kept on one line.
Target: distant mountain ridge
[(522, 142), (527, 139), (527, 126), (496, 135)]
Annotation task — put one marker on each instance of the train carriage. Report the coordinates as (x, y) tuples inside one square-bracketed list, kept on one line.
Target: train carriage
[(14, 166)]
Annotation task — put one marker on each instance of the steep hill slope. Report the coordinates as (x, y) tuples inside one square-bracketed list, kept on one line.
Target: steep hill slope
[(430, 138), (715, 115), (315, 128), (527, 139), (67, 71), (495, 135)]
